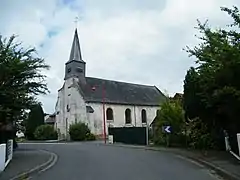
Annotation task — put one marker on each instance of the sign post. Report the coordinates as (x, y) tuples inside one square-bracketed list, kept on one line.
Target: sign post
[(167, 130)]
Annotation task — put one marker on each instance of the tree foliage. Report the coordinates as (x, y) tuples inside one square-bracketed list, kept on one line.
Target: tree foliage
[(35, 119), (212, 89), (20, 79), (171, 114), (45, 132)]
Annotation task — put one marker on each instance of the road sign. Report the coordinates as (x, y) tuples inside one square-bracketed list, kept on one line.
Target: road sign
[(167, 129)]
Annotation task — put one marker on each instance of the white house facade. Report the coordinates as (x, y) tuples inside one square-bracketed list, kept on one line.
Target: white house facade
[(93, 100)]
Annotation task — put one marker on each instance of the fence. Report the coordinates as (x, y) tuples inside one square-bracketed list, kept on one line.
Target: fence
[(129, 135), (6, 154), (228, 146)]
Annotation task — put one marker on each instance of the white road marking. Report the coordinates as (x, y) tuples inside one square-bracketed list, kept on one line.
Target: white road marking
[(43, 143)]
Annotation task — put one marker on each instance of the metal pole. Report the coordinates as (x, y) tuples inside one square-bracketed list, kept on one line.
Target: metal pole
[(186, 140), (168, 140), (135, 116), (147, 138), (104, 121), (66, 129)]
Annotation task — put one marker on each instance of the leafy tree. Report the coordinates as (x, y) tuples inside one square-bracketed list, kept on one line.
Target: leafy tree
[(199, 136), (35, 119), (212, 91), (20, 80), (45, 132), (171, 114)]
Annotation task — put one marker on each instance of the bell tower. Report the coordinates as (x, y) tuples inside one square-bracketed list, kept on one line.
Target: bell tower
[(75, 66)]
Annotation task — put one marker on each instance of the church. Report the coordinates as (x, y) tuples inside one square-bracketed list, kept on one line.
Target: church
[(94, 101)]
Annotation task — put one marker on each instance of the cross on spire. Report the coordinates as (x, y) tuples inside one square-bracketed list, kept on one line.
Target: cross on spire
[(76, 21)]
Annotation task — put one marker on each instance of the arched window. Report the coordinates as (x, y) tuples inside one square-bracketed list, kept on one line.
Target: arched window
[(109, 114), (144, 116), (128, 119), (157, 112)]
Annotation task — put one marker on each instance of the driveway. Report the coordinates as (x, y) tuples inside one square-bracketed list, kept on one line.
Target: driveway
[(92, 161)]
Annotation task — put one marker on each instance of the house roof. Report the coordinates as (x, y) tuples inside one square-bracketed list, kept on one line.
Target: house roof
[(89, 109), (178, 95), (50, 119), (116, 92)]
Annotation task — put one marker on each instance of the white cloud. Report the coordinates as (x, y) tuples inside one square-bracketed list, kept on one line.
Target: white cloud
[(122, 40)]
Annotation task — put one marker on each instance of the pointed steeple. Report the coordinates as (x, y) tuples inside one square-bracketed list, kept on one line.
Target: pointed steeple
[(75, 54), (75, 66)]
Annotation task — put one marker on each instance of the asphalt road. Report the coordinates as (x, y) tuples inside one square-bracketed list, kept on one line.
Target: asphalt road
[(91, 161)]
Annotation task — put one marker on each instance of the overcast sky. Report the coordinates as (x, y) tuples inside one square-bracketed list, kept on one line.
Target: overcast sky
[(137, 41)]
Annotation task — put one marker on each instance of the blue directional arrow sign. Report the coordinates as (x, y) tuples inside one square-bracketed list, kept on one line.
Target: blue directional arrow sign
[(167, 129)]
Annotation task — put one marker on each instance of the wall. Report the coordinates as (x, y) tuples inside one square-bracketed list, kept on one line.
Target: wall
[(6, 148), (2, 156), (96, 118), (70, 97)]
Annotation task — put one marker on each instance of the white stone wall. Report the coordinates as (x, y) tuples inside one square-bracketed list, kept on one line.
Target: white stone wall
[(59, 110), (70, 97), (96, 118)]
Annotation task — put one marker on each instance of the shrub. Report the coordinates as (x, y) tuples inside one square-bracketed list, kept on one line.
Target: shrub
[(79, 132), (45, 132), (90, 137), (200, 136), (171, 114)]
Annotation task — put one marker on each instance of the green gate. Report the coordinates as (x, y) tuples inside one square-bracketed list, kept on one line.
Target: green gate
[(129, 135)]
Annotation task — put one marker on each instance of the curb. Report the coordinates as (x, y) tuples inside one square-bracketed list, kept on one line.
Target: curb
[(40, 168), (221, 172), (47, 141)]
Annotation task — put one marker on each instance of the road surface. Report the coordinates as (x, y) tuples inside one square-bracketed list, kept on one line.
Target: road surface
[(91, 161)]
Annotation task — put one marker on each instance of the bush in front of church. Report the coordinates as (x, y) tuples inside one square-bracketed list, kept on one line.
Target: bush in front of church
[(90, 137), (80, 132), (45, 132)]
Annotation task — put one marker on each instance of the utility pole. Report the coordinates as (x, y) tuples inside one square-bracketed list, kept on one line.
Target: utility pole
[(103, 111), (104, 116)]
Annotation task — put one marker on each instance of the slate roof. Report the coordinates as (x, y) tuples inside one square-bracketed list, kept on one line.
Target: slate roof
[(50, 119), (75, 54), (89, 109), (115, 92), (120, 92)]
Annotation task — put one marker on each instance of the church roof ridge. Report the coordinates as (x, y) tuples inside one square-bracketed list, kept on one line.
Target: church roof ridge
[(122, 82), (117, 92)]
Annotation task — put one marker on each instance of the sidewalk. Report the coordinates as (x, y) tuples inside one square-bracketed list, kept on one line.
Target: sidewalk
[(23, 161), (222, 162)]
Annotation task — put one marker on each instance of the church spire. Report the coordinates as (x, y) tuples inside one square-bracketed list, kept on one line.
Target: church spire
[(75, 54), (75, 66)]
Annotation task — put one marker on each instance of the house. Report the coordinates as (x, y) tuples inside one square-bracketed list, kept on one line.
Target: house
[(50, 119), (178, 96), (93, 100)]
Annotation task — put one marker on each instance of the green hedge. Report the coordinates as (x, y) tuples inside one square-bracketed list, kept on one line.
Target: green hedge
[(80, 132), (45, 132)]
